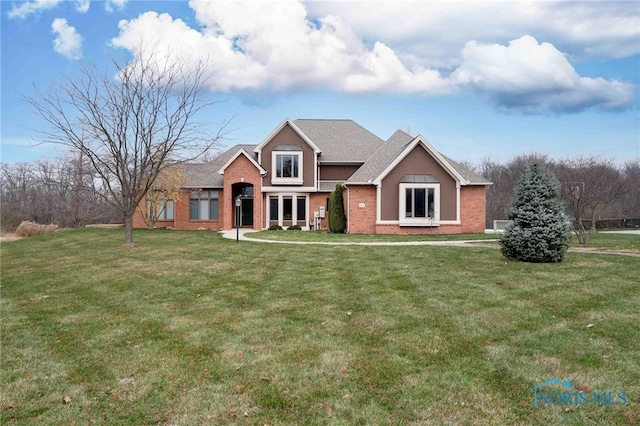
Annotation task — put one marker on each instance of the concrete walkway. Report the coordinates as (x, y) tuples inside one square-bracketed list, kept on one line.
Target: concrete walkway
[(231, 234)]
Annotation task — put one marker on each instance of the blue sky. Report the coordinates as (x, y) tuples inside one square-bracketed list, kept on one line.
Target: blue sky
[(478, 80)]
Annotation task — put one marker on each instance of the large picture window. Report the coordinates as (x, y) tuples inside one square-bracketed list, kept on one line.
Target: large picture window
[(286, 167), (203, 205), (419, 204)]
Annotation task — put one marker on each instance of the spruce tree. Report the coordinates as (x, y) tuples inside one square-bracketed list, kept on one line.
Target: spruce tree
[(539, 232), (337, 217)]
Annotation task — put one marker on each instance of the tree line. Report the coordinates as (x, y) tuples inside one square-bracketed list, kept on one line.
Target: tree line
[(594, 190)]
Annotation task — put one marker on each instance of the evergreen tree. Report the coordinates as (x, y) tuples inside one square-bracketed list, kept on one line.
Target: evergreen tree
[(539, 232), (337, 217)]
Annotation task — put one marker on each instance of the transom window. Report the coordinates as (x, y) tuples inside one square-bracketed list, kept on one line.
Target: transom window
[(287, 167), (419, 204), (203, 205)]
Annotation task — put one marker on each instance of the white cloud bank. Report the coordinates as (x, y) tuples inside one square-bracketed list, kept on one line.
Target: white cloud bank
[(275, 46), (22, 10), (68, 42)]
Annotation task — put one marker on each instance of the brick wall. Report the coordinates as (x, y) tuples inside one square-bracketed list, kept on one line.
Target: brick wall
[(472, 209), (241, 170), (317, 200), (360, 201)]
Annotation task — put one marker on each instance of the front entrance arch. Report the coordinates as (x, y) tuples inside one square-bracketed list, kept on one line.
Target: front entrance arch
[(245, 192)]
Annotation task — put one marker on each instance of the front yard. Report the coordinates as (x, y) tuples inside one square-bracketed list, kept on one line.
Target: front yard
[(188, 328)]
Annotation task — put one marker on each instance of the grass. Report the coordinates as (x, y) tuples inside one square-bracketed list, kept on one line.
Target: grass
[(186, 328)]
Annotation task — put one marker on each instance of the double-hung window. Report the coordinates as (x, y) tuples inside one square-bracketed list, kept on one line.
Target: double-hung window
[(166, 211), (286, 167), (419, 204), (203, 205)]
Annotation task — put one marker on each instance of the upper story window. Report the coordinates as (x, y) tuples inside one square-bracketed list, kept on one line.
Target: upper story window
[(286, 167), (419, 204)]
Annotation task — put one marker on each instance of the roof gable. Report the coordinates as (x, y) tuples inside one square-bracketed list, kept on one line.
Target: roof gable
[(240, 152), (286, 122), (396, 148)]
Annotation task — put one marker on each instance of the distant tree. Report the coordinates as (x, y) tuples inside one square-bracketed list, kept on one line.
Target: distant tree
[(592, 188), (504, 178), (539, 232), (129, 124), (337, 217)]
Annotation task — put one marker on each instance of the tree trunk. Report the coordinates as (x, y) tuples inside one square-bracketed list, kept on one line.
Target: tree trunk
[(128, 230)]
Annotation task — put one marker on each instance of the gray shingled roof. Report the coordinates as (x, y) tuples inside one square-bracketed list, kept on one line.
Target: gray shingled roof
[(206, 175), (393, 147), (340, 140), (380, 159), (470, 176)]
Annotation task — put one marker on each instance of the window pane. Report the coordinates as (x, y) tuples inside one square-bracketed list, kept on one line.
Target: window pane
[(408, 208), (287, 208), (278, 165), (286, 166), (204, 209), (302, 207), (295, 166), (214, 194), (430, 202), (420, 202), (213, 209), (194, 195), (273, 208), (193, 209), (168, 210)]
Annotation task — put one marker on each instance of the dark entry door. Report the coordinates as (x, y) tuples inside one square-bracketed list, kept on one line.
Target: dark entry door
[(246, 212)]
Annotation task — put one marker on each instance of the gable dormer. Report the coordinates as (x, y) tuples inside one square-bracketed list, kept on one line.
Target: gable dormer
[(289, 158)]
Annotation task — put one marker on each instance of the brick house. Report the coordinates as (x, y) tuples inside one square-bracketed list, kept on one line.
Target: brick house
[(399, 186)]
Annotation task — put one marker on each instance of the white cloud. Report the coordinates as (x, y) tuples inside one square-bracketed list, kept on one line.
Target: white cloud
[(277, 47), (68, 42), (533, 77), (22, 10), (82, 6), (583, 29), (112, 5)]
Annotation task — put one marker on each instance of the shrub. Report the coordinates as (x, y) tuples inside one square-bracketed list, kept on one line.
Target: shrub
[(539, 232), (294, 228), (337, 217), (29, 229), (275, 228)]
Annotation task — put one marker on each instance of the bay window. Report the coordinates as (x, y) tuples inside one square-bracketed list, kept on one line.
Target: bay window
[(419, 204)]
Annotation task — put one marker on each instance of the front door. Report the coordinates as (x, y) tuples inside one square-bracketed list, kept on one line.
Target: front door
[(246, 212)]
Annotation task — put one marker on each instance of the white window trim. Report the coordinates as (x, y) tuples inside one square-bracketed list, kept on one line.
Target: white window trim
[(287, 181), (294, 209), (426, 221)]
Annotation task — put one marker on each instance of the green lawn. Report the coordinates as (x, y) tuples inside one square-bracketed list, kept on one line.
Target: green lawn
[(186, 328)]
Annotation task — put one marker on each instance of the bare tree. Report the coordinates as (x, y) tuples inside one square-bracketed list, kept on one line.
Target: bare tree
[(592, 187), (130, 126)]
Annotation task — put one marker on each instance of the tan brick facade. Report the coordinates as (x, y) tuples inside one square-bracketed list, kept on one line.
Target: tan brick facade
[(360, 202)]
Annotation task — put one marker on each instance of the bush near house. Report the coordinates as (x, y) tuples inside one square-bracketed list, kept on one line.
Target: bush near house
[(294, 228), (539, 232), (275, 228), (337, 217)]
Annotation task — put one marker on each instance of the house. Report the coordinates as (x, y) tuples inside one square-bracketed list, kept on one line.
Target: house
[(399, 186)]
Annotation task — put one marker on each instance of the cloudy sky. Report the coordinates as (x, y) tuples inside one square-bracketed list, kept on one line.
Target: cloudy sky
[(480, 79)]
